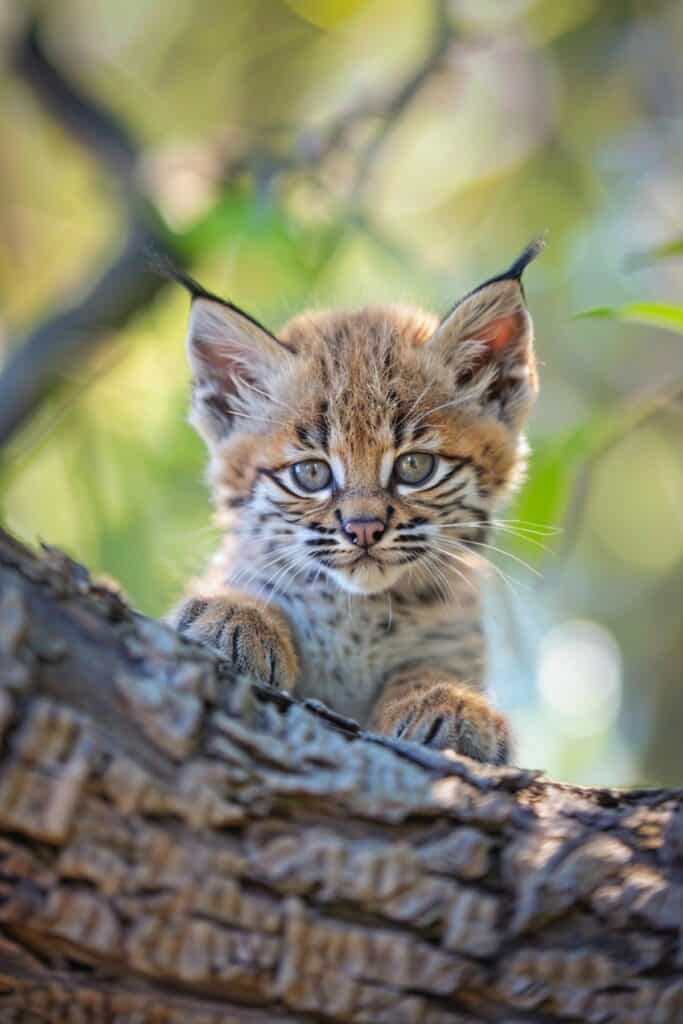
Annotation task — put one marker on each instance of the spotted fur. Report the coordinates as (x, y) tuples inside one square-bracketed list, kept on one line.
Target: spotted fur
[(390, 633)]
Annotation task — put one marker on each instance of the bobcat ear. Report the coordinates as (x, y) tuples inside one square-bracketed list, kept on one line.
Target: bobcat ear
[(487, 339), (233, 358)]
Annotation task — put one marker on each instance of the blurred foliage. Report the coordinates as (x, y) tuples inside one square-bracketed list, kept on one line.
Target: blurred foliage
[(337, 152), (657, 314)]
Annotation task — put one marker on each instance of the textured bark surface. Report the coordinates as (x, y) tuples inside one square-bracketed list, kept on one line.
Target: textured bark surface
[(178, 847)]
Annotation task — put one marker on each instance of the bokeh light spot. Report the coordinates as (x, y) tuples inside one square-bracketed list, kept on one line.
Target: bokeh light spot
[(579, 677)]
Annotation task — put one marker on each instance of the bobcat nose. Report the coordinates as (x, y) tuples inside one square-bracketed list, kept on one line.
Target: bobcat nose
[(364, 532)]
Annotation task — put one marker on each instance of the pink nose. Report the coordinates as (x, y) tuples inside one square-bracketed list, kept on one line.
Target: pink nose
[(363, 532)]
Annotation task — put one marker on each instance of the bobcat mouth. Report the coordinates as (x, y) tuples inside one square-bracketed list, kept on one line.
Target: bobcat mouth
[(368, 572), (366, 556), (353, 560)]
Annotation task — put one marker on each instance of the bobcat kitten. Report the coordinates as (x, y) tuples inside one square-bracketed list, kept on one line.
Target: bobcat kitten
[(356, 461)]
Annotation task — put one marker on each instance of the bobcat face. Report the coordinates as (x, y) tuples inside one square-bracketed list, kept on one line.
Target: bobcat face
[(402, 513), (378, 473), (370, 446)]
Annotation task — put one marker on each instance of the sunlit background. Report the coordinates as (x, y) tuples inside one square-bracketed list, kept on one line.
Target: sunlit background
[(297, 152)]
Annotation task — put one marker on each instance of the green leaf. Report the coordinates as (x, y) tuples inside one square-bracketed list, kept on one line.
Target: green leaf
[(654, 314), (552, 469)]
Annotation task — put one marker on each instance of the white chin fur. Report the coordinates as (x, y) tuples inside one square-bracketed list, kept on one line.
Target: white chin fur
[(367, 578)]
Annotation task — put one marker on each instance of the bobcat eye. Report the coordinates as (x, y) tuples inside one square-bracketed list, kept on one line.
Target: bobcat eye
[(311, 474), (414, 468)]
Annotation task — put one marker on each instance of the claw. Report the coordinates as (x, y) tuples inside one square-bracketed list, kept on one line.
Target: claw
[(434, 730)]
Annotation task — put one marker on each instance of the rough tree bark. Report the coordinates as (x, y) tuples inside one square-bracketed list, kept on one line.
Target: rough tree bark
[(178, 847)]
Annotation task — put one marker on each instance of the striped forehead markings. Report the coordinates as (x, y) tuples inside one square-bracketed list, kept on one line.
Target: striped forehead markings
[(316, 432)]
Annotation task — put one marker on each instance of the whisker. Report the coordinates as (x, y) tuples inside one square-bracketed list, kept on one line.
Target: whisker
[(465, 546), (501, 524), (501, 551), (542, 529), (289, 567), (454, 569), (321, 567), (249, 573), (539, 529), (492, 565), (448, 589), (522, 536), (434, 577), (496, 524)]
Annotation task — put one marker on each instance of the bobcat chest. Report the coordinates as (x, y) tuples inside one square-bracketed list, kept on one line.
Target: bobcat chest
[(349, 646)]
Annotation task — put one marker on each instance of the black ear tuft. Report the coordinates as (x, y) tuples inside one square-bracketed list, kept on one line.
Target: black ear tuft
[(513, 273), (164, 266)]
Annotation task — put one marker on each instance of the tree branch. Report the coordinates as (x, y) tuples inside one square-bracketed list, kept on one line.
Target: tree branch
[(127, 285), (441, 40), (176, 845)]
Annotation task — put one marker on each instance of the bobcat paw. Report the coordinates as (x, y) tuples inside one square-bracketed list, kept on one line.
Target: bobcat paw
[(255, 642), (447, 716)]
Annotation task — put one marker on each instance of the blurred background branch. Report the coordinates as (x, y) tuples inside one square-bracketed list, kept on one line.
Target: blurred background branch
[(303, 152), (125, 286), (400, 101), (87, 120)]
